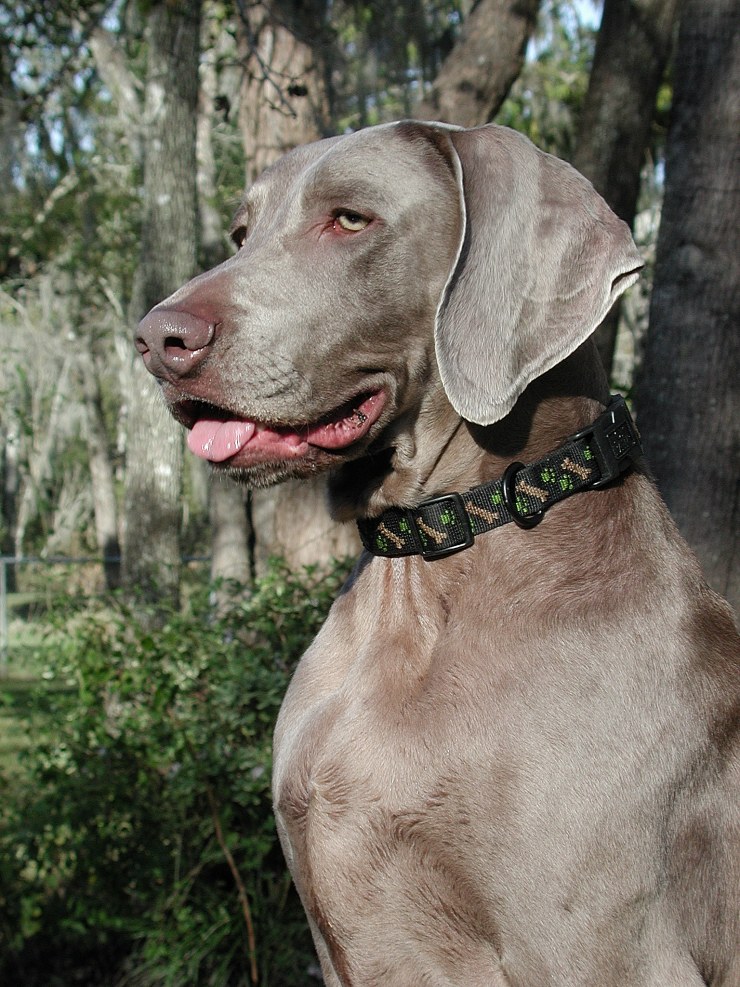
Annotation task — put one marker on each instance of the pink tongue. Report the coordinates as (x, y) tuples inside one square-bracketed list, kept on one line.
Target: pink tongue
[(217, 441)]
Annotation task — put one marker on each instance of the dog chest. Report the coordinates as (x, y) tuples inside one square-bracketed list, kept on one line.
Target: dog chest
[(375, 839), (419, 784)]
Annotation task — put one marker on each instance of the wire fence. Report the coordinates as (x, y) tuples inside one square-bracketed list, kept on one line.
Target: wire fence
[(29, 585)]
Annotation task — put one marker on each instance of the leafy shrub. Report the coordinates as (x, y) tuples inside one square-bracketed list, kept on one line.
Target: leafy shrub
[(140, 848)]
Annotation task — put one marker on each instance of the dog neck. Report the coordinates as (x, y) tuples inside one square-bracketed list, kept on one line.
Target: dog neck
[(431, 450)]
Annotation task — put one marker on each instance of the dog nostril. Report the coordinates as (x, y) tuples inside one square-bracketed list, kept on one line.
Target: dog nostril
[(173, 342)]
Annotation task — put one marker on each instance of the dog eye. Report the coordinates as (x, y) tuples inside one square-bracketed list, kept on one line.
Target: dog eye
[(351, 222)]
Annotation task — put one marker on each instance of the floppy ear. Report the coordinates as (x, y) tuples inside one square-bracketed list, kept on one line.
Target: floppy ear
[(542, 261)]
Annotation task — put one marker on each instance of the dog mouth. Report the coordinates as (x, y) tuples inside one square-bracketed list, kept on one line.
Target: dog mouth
[(220, 436)]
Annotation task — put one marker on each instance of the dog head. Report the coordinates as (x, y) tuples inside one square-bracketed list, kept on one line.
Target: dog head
[(405, 272)]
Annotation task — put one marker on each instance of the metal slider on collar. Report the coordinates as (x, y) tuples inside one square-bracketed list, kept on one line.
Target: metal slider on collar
[(427, 550)]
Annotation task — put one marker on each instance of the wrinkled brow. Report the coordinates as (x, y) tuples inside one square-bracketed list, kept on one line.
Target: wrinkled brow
[(342, 187)]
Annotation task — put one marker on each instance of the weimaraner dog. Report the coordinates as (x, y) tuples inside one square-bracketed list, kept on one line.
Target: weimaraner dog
[(510, 757)]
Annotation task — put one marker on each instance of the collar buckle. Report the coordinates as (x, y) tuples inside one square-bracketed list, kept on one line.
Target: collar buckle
[(613, 439), (441, 526)]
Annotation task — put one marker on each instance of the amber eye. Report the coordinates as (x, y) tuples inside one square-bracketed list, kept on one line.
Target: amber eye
[(351, 222)]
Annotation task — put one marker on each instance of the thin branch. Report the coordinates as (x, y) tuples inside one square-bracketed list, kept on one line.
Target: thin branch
[(268, 74), (241, 889), (62, 188)]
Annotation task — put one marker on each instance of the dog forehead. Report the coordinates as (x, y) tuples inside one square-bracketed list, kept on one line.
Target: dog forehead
[(389, 160), (280, 178), (383, 159)]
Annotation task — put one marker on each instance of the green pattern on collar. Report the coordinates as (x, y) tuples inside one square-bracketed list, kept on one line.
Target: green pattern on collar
[(590, 459)]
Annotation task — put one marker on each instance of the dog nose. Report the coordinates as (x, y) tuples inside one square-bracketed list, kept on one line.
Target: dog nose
[(173, 343)]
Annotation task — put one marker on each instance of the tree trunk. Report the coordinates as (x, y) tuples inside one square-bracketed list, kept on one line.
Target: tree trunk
[(687, 394), (151, 563), (101, 473), (295, 525), (476, 76), (45, 431), (231, 540), (212, 240), (10, 141), (632, 50), (9, 473), (284, 99), (122, 84)]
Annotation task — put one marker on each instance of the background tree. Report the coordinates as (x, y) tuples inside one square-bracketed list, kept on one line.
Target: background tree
[(687, 396), (479, 71), (285, 99), (286, 52), (224, 501), (169, 232), (65, 265), (102, 477), (616, 122)]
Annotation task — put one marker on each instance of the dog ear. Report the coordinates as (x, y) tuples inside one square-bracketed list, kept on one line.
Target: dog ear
[(542, 261)]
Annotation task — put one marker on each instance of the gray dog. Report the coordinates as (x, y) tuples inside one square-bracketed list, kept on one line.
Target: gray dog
[(510, 757)]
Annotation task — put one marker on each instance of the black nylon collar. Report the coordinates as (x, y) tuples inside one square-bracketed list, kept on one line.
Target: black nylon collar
[(443, 525)]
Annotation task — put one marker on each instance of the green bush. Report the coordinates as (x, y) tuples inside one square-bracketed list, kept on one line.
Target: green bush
[(140, 847)]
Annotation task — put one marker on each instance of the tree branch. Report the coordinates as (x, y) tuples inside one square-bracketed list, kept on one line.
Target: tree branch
[(476, 76), (241, 889)]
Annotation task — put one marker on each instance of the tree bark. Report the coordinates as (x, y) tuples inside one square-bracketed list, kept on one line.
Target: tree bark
[(285, 102), (486, 59), (151, 562), (212, 240), (687, 394), (105, 508), (294, 524), (9, 475), (231, 567), (122, 84), (10, 141), (284, 98), (45, 431), (632, 50)]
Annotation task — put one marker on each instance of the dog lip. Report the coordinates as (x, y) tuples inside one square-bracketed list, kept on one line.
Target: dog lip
[(348, 423), (221, 435)]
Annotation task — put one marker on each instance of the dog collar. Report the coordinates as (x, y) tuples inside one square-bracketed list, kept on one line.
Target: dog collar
[(443, 525)]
